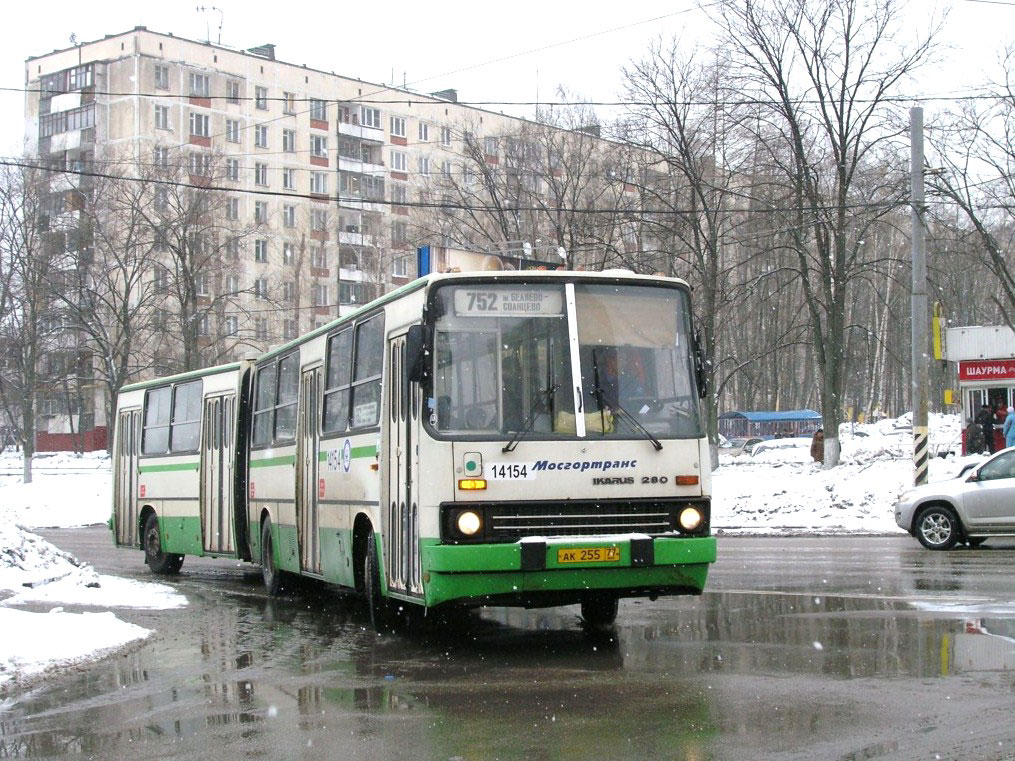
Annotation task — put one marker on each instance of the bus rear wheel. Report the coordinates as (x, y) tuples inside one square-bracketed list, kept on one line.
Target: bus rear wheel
[(162, 563), (600, 610), (269, 571)]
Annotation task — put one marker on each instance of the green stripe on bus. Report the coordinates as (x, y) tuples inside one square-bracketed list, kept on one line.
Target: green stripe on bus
[(267, 462), (167, 468), (354, 453)]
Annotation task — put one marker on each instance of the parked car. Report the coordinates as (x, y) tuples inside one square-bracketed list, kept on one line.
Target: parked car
[(790, 449), (969, 509), (739, 446)]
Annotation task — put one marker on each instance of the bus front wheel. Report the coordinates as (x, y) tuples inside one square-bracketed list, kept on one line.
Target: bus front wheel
[(600, 610), (162, 563), (380, 610), (269, 571)]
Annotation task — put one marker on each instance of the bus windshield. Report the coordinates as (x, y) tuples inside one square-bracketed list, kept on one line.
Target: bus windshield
[(509, 359)]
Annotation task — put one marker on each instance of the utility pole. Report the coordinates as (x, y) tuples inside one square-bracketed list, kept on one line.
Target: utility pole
[(919, 300)]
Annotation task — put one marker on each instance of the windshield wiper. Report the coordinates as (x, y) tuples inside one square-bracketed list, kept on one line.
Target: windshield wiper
[(544, 400), (616, 406)]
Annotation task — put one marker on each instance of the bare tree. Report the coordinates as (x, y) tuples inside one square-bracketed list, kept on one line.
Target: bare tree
[(822, 72), (31, 252)]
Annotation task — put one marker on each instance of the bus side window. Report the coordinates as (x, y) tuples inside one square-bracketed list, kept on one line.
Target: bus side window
[(155, 439), (336, 387), (264, 405), (288, 392), (366, 380), (186, 426)]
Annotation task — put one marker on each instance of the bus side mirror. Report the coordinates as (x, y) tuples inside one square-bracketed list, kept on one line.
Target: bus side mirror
[(417, 350), (701, 364)]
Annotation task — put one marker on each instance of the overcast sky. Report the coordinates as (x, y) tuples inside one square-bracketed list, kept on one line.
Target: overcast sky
[(507, 51)]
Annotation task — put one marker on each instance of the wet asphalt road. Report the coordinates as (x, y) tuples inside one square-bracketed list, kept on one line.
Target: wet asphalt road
[(802, 648)]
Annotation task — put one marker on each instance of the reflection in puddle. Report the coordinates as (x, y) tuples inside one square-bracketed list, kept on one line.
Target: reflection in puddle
[(303, 675)]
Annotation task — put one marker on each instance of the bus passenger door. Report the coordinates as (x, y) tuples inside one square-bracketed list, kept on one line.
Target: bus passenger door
[(217, 466), (401, 538), (128, 445), (307, 471)]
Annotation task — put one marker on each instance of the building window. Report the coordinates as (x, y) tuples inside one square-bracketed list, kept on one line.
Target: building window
[(399, 161), (232, 285), (398, 126), (232, 91), (161, 77), (231, 326), (233, 169), (370, 117), (399, 232), (424, 165), (233, 209), (490, 146), (288, 103), (161, 156), (260, 288), (424, 132), (161, 117), (289, 179), (318, 110), (288, 291), (261, 329), (199, 85), (199, 125), (446, 168), (200, 164), (319, 258), (160, 277), (260, 174), (260, 212), (261, 251), (289, 140), (319, 146), (201, 284), (287, 253), (261, 136), (232, 130), (320, 295), (400, 266), (319, 219), (289, 215), (319, 183), (399, 193), (261, 98), (290, 329), (446, 136)]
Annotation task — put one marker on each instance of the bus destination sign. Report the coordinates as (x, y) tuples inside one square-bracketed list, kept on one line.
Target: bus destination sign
[(508, 302)]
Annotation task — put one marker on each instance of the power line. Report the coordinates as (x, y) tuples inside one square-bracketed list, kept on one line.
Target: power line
[(442, 205)]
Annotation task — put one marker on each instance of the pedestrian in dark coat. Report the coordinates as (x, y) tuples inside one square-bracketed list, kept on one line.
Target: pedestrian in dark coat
[(974, 438), (985, 417), (818, 446)]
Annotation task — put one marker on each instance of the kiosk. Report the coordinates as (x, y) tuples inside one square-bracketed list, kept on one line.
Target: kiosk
[(985, 356)]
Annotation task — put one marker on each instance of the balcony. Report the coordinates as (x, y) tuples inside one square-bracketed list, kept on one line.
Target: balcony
[(373, 134), (355, 238), (357, 166)]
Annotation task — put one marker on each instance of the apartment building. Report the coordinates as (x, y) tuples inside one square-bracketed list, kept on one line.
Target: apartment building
[(315, 173)]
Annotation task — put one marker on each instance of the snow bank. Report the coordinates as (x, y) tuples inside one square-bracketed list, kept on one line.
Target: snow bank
[(782, 491), (67, 491), (34, 642)]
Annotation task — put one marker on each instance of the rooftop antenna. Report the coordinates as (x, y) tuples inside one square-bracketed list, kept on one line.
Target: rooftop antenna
[(73, 39), (205, 8)]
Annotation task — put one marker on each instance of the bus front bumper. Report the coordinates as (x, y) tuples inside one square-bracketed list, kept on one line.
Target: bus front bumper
[(539, 572)]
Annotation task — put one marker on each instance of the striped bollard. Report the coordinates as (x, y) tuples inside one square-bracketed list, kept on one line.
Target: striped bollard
[(921, 441)]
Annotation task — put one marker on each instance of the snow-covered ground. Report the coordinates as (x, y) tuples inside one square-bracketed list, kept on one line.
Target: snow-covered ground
[(66, 491), (778, 491)]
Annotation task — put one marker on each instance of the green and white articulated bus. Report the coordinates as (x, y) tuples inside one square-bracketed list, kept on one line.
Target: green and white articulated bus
[(512, 438)]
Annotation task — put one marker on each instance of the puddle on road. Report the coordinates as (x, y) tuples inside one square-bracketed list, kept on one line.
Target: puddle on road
[(297, 677)]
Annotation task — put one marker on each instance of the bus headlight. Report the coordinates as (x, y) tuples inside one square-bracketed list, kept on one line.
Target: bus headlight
[(468, 523), (690, 518)]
